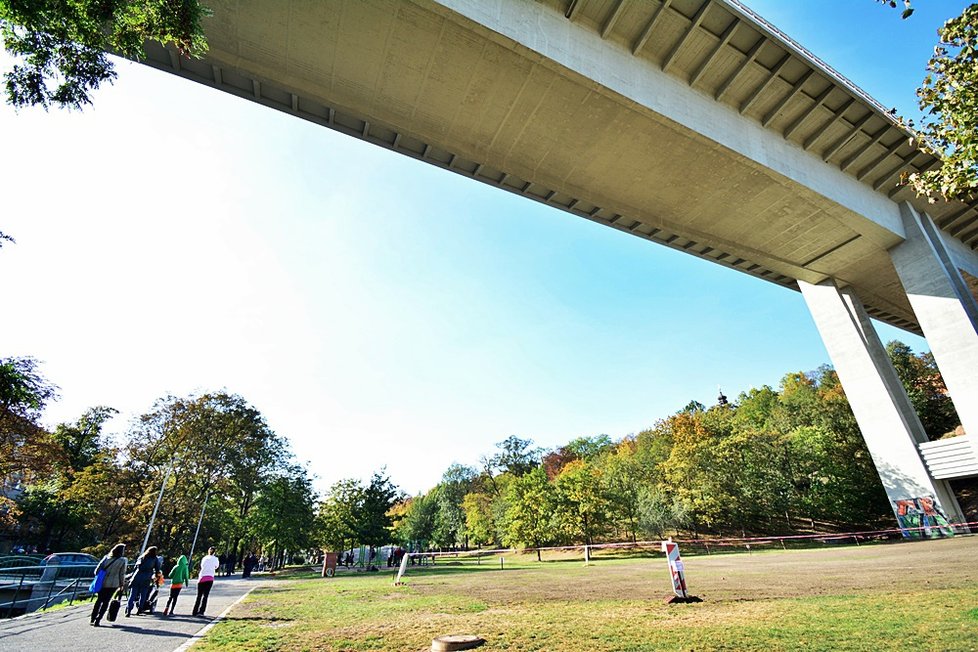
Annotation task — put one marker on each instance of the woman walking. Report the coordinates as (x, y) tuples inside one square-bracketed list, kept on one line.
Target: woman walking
[(208, 569), (114, 564), (179, 575), (147, 566)]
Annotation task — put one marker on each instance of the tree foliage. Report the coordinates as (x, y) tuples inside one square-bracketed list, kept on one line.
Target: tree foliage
[(925, 387), (531, 511), (516, 456), (776, 460), (25, 446), (213, 448), (773, 461), (284, 516), (372, 512), (948, 97), (336, 526), (61, 46)]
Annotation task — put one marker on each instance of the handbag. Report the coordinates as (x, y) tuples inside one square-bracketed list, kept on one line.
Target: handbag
[(96, 584), (114, 607)]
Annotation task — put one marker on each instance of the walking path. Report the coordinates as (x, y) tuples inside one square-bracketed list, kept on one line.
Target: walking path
[(68, 629)]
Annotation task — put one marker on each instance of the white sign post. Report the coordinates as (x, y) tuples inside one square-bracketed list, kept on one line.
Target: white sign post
[(402, 569), (677, 571)]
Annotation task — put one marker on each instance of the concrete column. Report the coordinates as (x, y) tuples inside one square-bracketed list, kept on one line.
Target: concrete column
[(881, 406), (945, 309)]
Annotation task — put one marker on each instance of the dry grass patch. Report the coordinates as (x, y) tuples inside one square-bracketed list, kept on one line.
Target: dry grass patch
[(904, 596)]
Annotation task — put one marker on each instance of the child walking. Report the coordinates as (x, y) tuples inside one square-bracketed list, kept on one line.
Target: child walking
[(179, 576)]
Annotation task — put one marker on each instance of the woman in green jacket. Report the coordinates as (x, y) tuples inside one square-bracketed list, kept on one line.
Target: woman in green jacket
[(179, 576)]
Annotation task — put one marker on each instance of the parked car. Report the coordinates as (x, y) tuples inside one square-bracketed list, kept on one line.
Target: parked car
[(69, 559), (71, 564)]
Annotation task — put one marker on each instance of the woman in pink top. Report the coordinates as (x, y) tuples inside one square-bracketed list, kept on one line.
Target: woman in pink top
[(208, 568)]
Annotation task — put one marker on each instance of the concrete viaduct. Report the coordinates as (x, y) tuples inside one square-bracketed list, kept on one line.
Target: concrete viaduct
[(693, 124)]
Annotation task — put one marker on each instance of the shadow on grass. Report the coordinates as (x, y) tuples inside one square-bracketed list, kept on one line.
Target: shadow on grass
[(261, 619)]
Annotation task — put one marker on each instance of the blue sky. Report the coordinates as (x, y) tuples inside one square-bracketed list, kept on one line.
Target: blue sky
[(379, 311)]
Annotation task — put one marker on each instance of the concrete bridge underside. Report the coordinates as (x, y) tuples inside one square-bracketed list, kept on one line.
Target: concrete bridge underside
[(690, 123)]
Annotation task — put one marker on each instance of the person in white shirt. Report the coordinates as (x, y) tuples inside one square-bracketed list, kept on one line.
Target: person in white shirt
[(208, 569)]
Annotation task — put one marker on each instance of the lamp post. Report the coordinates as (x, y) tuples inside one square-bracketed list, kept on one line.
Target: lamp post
[(199, 521), (156, 508)]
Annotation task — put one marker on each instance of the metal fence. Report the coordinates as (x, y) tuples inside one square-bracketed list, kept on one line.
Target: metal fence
[(27, 588)]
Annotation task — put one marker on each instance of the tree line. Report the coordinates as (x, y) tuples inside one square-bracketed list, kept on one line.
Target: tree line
[(74, 488), (771, 461)]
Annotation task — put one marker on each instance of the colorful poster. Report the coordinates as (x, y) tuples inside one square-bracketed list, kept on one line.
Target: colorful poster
[(922, 517)]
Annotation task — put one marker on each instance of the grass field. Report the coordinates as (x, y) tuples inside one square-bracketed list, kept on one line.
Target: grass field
[(904, 596)]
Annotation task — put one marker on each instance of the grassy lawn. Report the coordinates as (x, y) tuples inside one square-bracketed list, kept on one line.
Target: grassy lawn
[(921, 596)]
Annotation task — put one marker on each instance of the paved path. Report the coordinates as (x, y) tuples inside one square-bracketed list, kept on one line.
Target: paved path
[(68, 629)]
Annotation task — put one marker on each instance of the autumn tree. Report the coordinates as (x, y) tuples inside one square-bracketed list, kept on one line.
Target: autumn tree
[(220, 449), (26, 450), (581, 448), (480, 518), (582, 504), (24, 393)]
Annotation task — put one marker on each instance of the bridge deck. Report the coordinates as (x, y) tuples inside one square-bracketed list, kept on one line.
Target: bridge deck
[(689, 123)]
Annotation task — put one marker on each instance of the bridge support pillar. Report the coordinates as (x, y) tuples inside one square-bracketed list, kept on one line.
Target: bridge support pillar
[(886, 417), (945, 308)]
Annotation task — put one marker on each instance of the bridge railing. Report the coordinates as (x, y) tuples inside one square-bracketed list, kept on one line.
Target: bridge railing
[(24, 589)]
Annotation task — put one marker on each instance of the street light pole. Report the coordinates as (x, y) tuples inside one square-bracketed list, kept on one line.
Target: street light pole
[(156, 508), (199, 521)]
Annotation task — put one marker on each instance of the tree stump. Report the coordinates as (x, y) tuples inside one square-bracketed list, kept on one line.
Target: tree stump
[(456, 642)]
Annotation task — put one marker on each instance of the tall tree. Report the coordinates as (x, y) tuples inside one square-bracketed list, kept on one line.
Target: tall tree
[(284, 517), (373, 517), (337, 516), (219, 447), (25, 446), (582, 502), (82, 442), (450, 525), (516, 456), (530, 514), (417, 528), (480, 521), (658, 513)]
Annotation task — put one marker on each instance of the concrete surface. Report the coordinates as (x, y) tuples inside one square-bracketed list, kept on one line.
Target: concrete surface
[(68, 629)]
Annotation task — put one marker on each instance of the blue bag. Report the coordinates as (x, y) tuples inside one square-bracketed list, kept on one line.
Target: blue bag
[(96, 584)]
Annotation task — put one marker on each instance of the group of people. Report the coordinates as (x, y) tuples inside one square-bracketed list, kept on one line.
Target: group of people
[(395, 557), (146, 578), (249, 564)]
